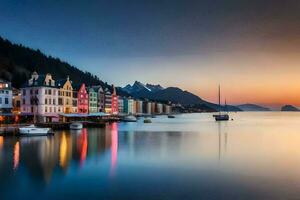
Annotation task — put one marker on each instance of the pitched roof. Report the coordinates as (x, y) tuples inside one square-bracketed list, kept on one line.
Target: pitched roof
[(40, 81)]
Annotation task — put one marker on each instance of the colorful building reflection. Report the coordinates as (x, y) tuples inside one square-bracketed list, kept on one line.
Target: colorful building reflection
[(65, 150), (1, 142), (16, 159), (82, 145), (114, 147)]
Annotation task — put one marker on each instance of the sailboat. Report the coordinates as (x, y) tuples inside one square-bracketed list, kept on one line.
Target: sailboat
[(220, 116)]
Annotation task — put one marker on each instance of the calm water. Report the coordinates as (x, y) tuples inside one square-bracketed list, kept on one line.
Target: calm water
[(256, 156)]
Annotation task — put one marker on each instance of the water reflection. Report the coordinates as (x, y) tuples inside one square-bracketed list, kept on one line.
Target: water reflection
[(16, 155), (189, 158), (222, 139), (114, 147), (40, 156)]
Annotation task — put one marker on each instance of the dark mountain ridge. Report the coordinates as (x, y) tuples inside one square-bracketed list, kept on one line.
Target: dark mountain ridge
[(252, 107), (289, 108), (175, 95)]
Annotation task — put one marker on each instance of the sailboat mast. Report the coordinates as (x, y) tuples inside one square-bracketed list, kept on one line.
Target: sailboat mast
[(219, 98)]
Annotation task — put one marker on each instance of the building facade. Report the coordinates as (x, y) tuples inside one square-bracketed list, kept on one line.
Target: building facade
[(167, 109), (107, 104), (100, 98), (153, 107), (16, 102), (159, 108), (120, 104), (139, 106), (5, 97), (128, 106), (93, 100), (82, 99), (114, 101), (40, 98), (147, 107), (65, 96)]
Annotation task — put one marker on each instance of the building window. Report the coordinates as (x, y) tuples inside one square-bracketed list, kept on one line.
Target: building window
[(23, 102), (30, 91), (6, 100), (60, 101), (0, 100), (46, 91), (46, 109), (46, 101), (54, 102), (24, 92), (37, 92), (49, 92)]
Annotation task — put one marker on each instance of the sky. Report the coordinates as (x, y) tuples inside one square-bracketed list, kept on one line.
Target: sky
[(250, 47)]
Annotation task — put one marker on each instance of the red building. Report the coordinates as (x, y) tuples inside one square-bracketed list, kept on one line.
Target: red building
[(83, 100), (114, 101)]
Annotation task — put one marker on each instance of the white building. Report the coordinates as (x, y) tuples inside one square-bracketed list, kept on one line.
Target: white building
[(148, 106), (5, 97), (159, 108), (167, 109), (40, 96)]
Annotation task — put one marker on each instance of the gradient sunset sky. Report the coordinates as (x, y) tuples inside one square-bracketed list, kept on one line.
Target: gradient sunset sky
[(250, 47)]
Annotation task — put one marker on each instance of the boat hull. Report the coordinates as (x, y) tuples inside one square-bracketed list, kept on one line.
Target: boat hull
[(129, 119), (76, 126), (221, 117), (34, 131)]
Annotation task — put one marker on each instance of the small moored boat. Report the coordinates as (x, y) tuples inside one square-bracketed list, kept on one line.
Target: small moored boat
[(76, 126), (171, 116), (221, 116), (32, 130), (129, 118), (147, 120)]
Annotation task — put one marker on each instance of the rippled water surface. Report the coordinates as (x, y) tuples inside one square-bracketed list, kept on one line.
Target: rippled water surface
[(255, 156)]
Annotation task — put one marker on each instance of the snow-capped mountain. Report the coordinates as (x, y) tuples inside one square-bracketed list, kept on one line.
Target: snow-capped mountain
[(154, 88), (173, 94), (139, 87)]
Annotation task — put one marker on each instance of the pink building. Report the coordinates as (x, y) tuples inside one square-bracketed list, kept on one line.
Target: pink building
[(114, 101), (83, 99)]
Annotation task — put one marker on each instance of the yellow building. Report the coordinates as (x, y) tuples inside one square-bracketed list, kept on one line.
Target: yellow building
[(65, 95)]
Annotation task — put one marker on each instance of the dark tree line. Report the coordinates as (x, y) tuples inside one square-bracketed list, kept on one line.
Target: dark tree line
[(18, 62)]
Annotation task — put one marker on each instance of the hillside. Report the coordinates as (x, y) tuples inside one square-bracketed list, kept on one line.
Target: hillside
[(289, 108), (18, 62), (252, 107)]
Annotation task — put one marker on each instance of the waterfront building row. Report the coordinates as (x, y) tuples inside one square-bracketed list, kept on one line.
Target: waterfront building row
[(47, 98), (139, 107), (44, 96)]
